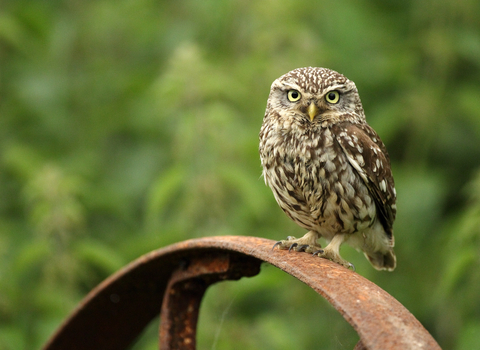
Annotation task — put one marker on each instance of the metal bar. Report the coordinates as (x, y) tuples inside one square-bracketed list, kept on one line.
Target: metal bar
[(181, 303), (115, 312)]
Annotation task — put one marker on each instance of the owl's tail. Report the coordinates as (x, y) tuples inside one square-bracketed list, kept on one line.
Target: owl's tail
[(383, 261)]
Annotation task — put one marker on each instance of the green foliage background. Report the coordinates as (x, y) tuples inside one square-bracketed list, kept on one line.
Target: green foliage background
[(129, 125)]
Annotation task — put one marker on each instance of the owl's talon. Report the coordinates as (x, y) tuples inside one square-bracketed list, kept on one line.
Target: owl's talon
[(276, 244), (292, 246), (320, 251), (335, 257), (302, 248)]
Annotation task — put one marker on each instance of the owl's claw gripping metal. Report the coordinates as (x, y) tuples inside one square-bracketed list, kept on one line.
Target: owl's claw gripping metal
[(326, 254), (292, 246), (332, 256), (302, 247), (276, 244)]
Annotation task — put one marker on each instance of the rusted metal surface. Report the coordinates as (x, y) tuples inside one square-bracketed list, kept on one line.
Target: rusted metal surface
[(181, 303), (115, 313)]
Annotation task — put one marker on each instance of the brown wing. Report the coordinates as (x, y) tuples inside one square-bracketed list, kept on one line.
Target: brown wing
[(369, 157)]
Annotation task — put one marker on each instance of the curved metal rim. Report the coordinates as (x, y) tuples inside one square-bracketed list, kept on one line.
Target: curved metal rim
[(104, 319)]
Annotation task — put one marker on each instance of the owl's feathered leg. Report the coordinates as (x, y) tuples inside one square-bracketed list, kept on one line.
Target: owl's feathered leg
[(307, 243), (332, 251)]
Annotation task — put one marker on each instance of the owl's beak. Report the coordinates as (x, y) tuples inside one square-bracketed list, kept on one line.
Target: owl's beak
[(312, 110)]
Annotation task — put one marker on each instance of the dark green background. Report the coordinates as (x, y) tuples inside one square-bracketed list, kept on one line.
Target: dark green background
[(128, 125)]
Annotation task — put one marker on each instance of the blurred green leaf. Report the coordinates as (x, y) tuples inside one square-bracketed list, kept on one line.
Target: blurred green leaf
[(129, 125), (100, 256), (470, 337)]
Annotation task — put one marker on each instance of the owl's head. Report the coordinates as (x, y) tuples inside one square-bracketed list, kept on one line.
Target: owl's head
[(316, 95)]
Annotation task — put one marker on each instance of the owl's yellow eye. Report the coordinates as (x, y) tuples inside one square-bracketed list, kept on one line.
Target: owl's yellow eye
[(332, 96), (294, 95)]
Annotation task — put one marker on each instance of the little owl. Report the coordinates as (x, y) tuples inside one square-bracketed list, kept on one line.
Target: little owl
[(328, 169)]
